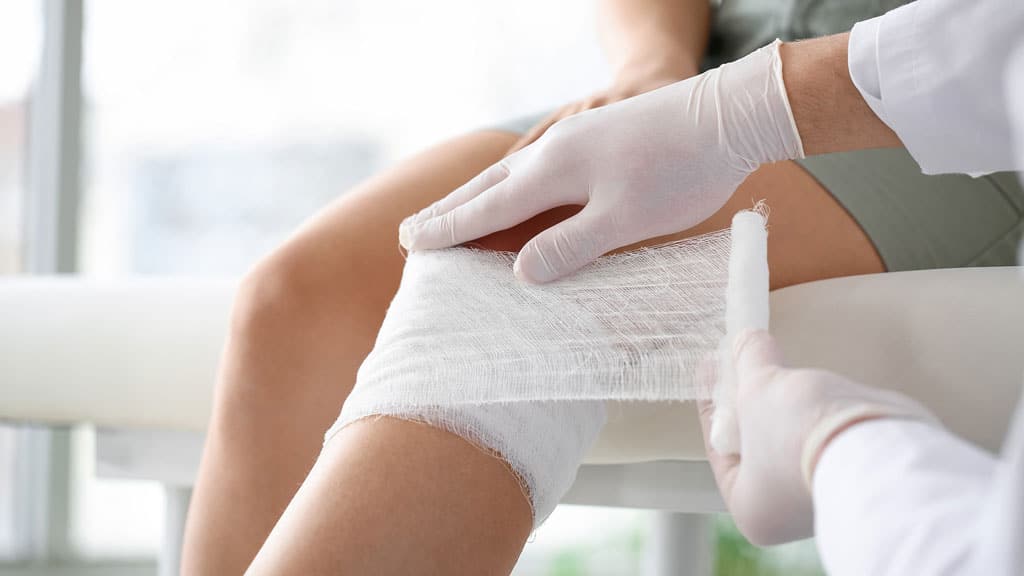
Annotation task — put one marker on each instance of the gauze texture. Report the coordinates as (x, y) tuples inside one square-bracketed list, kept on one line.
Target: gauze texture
[(523, 369), (630, 326), (543, 443)]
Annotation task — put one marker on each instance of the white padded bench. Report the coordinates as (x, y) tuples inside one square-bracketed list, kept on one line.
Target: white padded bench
[(143, 353), (138, 358)]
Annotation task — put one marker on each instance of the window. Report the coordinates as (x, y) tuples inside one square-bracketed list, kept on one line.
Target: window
[(8, 496), (20, 42), (203, 154), (20, 37), (212, 129), (587, 541)]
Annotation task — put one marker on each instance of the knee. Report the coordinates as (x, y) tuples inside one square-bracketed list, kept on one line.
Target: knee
[(270, 299), (265, 315), (276, 332), (298, 308)]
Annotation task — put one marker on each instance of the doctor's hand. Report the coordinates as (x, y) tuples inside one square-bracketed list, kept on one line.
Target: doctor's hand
[(787, 417), (647, 166)]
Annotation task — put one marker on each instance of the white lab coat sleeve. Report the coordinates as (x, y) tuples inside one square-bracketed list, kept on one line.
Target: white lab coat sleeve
[(933, 71), (896, 497), (999, 537), (905, 497)]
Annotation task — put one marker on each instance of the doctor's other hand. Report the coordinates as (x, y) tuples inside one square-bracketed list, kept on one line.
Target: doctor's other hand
[(647, 166), (787, 418)]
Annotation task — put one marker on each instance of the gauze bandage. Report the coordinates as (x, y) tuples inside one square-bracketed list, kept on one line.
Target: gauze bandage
[(543, 443), (522, 370)]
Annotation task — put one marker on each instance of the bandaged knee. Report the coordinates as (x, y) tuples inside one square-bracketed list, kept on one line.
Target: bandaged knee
[(539, 441), (523, 371)]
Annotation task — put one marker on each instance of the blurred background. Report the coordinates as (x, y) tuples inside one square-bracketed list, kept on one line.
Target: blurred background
[(140, 137)]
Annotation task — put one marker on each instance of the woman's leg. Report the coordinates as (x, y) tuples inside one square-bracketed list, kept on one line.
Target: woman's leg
[(303, 321), (306, 318), (392, 497)]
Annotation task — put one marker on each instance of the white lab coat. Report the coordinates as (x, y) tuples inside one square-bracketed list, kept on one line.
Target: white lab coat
[(934, 70), (896, 497)]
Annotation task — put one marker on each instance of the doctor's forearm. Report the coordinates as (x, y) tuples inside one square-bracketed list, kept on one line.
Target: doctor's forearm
[(830, 113), (652, 37)]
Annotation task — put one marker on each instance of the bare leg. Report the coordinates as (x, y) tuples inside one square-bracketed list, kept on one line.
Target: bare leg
[(401, 498), (304, 321)]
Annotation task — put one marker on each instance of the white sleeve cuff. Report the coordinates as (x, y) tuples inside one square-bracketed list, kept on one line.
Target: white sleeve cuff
[(885, 66), (933, 71), (863, 63), (897, 497)]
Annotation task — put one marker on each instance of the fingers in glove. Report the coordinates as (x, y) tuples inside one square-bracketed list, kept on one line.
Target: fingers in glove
[(504, 205), (564, 248), (477, 185), (723, 466), (755, 352)]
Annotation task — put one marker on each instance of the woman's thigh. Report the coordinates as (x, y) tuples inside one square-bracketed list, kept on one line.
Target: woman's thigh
[(393, 497)]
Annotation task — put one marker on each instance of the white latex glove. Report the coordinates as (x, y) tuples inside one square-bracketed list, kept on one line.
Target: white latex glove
[(786, 418), (647, 166)]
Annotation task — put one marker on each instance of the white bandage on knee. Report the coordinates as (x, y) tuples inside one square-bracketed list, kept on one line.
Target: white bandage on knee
[(523, 370), (542, 442)]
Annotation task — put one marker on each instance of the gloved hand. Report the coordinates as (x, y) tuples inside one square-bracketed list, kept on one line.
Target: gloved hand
[(787, 417), (654, 164)]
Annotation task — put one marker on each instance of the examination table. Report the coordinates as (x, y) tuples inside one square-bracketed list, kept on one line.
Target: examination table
[(137, 358)]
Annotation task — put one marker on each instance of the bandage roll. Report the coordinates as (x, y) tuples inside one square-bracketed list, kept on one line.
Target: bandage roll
[(746, 308)]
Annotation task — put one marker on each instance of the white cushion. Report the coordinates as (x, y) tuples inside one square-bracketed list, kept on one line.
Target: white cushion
[(133, 353), (950, 338), (143, 353)]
